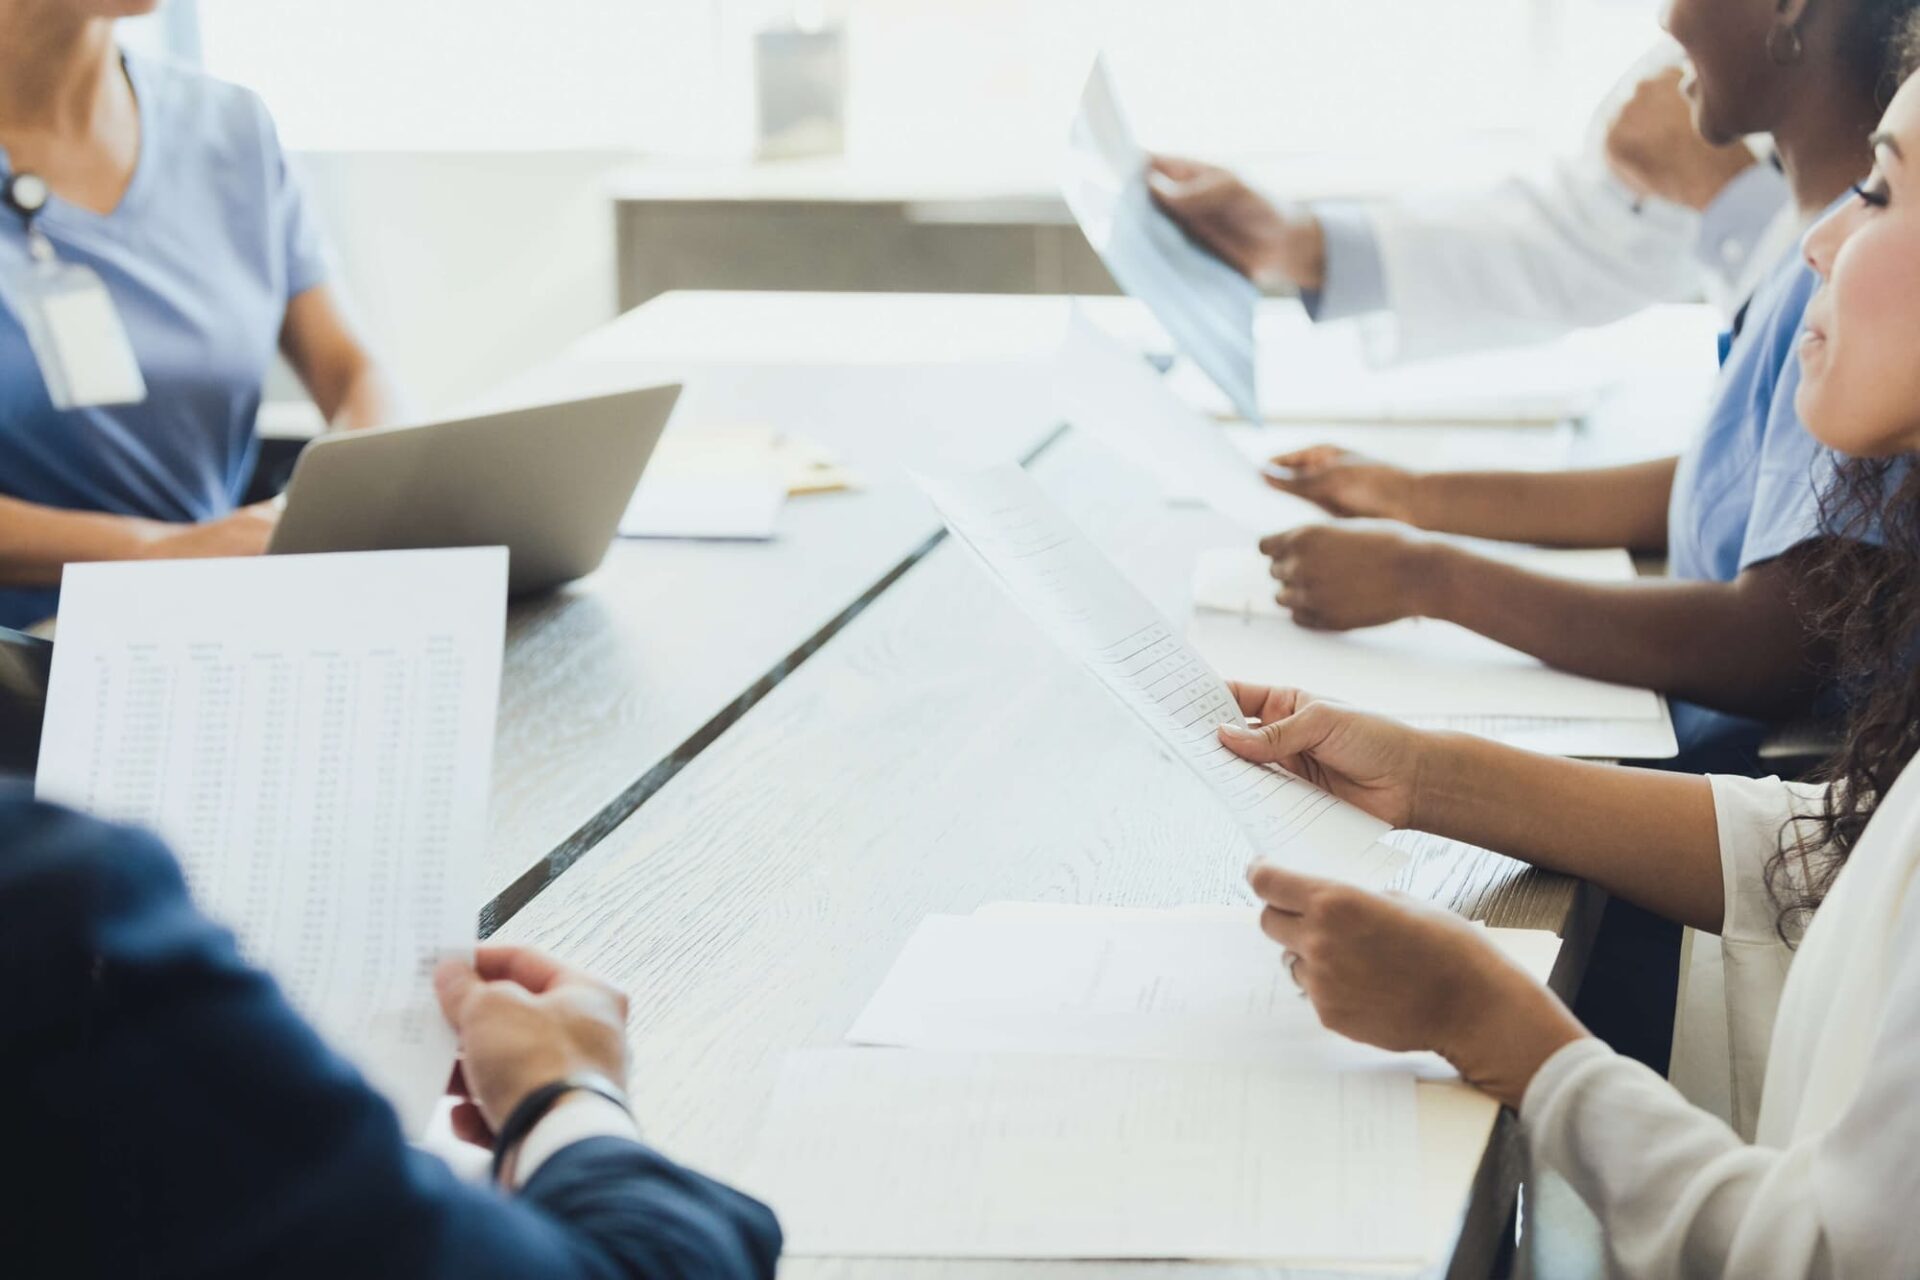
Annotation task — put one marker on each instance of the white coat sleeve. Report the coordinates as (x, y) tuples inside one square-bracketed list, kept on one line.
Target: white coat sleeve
[(1529, 259)]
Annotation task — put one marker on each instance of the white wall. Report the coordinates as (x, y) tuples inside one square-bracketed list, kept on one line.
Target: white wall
[(464, 268)]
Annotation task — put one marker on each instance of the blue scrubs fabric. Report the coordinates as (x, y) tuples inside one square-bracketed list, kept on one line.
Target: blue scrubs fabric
[(1749, 488), (202, 255)]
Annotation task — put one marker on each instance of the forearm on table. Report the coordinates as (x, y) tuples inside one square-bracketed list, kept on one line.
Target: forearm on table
[(1741, 647), (1644, 835), (1611, 507), (36, 541)]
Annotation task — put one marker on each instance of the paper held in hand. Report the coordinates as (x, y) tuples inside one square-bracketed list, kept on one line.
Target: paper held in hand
[(1205, 305), (1079, 597), (313, 737)]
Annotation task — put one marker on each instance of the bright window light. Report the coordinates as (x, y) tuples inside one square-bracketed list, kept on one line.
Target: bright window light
[(974, 84)]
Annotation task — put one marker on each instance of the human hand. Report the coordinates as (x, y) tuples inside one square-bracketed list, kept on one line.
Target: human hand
[(525, 1020), (1337, 577), (1343, 483), (1404, 975), (1653, 146), (1369, 761), (246, 532), (1238, 225)]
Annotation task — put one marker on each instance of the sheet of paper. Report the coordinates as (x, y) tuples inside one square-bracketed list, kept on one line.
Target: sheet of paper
[(1584, 739), (1204, 304), (1079, 597), (1535, 950), (1417, 448), (313, 736), (1112, 394), (879, 1153), (1325, 373), (1195, 984), (1415, 667), (737, 508)]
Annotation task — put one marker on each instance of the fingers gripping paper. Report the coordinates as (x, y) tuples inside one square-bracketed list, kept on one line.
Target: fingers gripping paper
[(1074, 592)]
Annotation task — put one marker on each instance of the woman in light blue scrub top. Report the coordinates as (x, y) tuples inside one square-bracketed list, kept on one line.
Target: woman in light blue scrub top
[(1726, 634), (172, 188)]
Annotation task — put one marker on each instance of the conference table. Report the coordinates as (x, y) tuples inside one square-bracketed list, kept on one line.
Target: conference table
[(733, 777)]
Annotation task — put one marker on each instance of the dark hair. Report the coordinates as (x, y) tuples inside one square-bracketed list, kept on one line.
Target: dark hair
[(1865, 602), (1883, 37)]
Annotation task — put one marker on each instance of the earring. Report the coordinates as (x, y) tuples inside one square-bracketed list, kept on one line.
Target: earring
[(1784, 46)]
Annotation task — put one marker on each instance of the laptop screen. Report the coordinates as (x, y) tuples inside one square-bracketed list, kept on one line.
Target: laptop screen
[(24, 664)]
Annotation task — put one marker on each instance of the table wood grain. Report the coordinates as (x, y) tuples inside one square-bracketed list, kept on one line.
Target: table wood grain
[(936, 754), (610, 683)]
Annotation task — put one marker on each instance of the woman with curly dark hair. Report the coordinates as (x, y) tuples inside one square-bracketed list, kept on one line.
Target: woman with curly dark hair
[(1814, 889)]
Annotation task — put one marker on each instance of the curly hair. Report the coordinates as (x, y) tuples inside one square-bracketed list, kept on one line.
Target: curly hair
[(1864, 600), (1883, 38)]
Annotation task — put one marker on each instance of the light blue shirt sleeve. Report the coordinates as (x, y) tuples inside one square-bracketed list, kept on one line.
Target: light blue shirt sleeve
[(1356, 282), (1735, 225), (303, 248)]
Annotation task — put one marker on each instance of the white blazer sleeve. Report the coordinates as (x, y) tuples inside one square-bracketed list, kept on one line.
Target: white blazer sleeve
[(1752, 815), (1526, 260), (1679, 1194)]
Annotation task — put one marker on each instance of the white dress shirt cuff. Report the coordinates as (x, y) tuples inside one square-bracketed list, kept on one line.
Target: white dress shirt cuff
[(578, 1117), (1356, 279)]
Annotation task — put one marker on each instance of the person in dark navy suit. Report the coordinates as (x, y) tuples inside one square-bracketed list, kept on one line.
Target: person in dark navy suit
[(169, 1116)]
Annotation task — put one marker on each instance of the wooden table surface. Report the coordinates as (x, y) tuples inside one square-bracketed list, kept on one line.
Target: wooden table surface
[(732, 779)]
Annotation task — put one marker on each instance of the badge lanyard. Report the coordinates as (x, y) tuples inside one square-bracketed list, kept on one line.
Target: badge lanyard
[(69, 317)]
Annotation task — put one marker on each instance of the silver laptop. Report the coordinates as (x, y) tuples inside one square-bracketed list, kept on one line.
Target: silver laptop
[(548, 483)]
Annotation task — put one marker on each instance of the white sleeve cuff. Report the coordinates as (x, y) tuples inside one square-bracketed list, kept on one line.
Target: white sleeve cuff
[(579, 1116), (1554, 1074)]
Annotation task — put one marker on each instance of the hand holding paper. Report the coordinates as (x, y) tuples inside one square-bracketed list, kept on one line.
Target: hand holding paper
[(1204, 304)]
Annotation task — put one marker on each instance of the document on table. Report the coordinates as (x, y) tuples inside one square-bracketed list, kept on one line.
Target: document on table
[(1566, 736), (881, 1153), (1200, 984), (1321, 373), (1112, 394), (1205, 305), (1076, 594), (1415, 667), (313, 737), (721, 483)]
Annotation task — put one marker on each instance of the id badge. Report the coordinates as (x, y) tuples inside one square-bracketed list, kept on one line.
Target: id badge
[(76, 335)]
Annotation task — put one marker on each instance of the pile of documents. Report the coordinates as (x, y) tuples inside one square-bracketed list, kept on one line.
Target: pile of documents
[(727, 483), (1081, 1082)]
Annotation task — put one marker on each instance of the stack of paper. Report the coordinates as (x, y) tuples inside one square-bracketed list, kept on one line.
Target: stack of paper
[(1082, 1082), (1195, 983), (1433, 673), (313, 736), (883, 1153), (720, 482)]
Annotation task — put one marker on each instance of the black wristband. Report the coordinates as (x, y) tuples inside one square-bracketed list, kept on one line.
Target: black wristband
[(533, 1108)]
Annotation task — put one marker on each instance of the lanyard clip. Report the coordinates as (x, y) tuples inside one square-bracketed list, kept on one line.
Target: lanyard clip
[(27, 194)]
